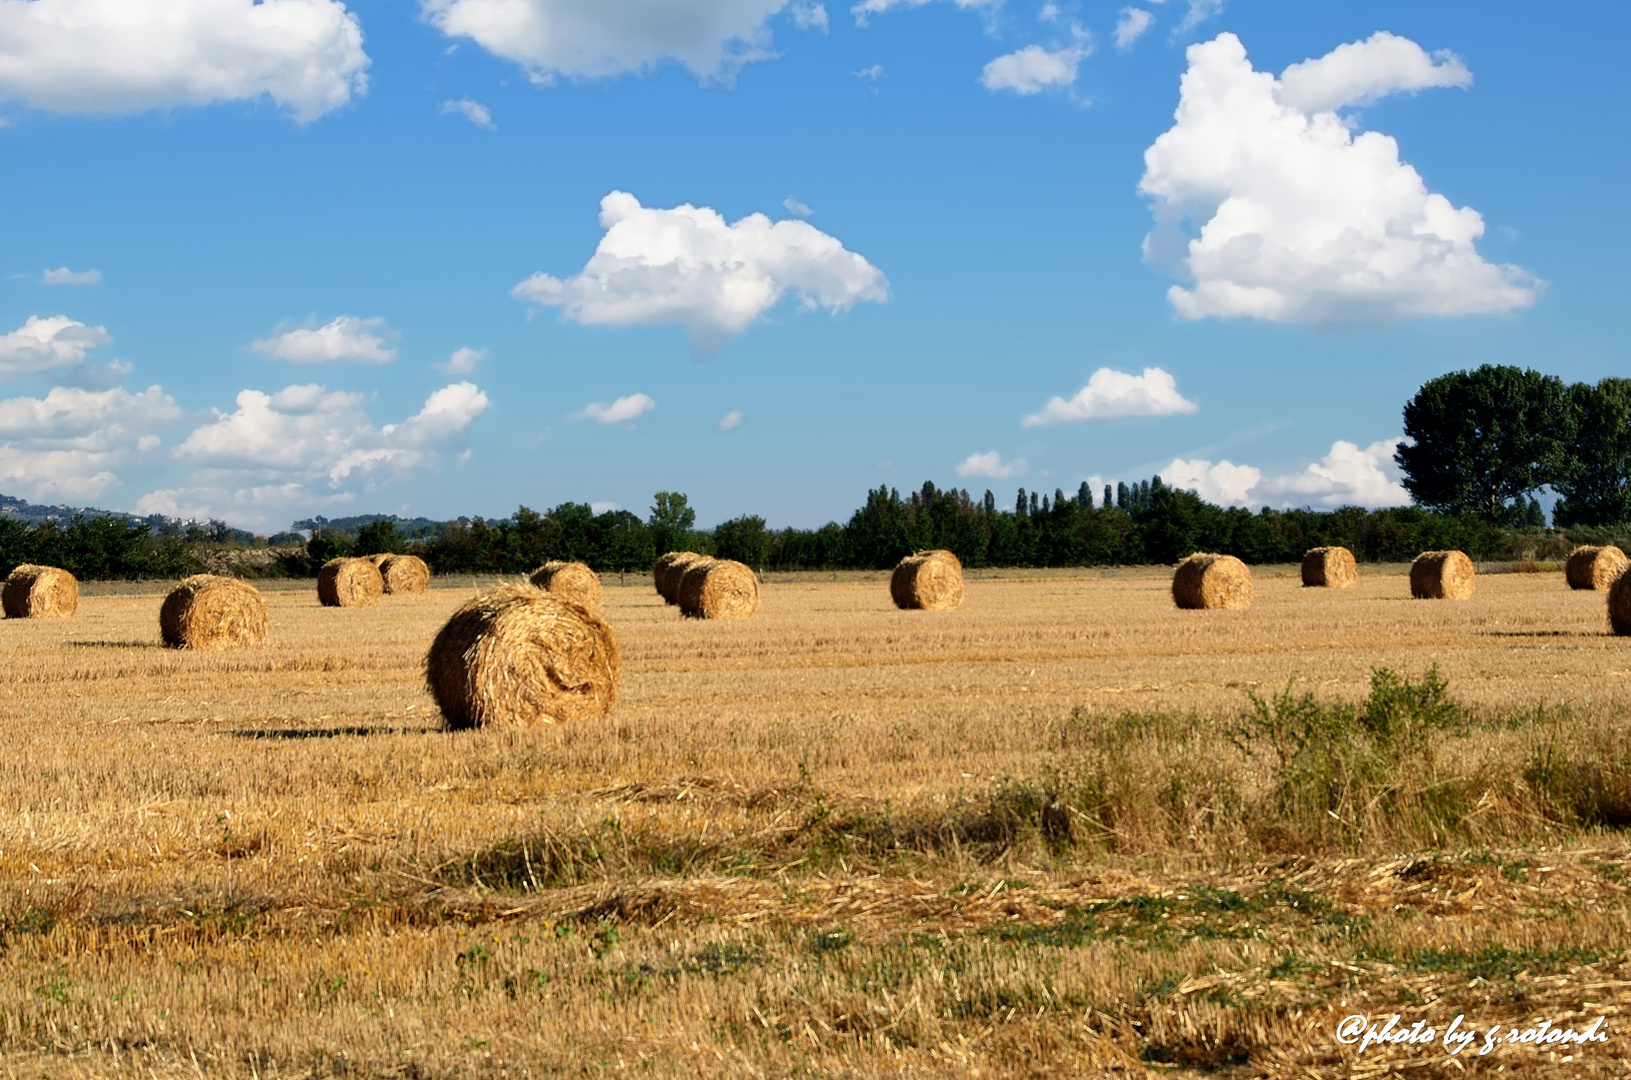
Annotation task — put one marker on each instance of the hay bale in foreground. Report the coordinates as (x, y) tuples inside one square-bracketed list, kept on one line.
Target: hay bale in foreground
[(669, 570), (572, 581), (1441, 575), (1595, 567), (210, 612), (39, 592), (718, 589), (379, 557), (927, 581), (1204, 581), (1619, 605), (1329, 568), (518, 657), (404, 575), (347, 582)]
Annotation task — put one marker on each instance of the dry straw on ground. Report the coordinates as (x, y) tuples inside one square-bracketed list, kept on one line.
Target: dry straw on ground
[(210, 612), (1212, 581), (719, 589), (404, 575), (39, 592), (572, 581), (349, 583), (519, 657), (1330, 568), (927, 581), (669, 570), (1441, 575), (1595, 567)]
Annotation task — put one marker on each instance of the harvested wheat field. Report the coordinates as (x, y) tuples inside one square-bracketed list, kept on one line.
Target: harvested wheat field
[(1044, 834)]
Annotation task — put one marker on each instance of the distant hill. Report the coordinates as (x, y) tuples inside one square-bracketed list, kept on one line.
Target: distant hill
[(28, 513), (419, 528)]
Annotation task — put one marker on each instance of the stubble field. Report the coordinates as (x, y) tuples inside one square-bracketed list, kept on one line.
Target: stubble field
[(1039, 835)]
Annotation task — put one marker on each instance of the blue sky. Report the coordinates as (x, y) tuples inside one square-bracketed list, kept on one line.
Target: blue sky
[(245, 242)]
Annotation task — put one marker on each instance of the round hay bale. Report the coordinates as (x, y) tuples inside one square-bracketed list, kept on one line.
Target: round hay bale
[(349, 583), (669, 570), (404, 575), (518, 657), (378, 558), (572, 581), (39, 592), (1595, 567), (1441, 575), (1619, 605), (1205, 581), (210, 612), (1329, 568), (927, 581), (718, 589)]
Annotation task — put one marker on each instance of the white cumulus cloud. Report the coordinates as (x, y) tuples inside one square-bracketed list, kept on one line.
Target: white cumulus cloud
[(69, 444), (49, 344), (1034, 69), (472, 110), (595, 39), (990, 464), (1130, 26), (797, 207), (731, 420), (808, 16), (116, 57), (64, 276), (1111, 395), (1223, 483), (620, 411), (463, 361), (1349, 475), (1301, 219), (687, 266), (344, 340), (1362, 72)]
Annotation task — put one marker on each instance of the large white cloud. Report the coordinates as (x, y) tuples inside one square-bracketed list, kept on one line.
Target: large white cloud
[(687, 266), (307, 447), (49, 344), (69, 444), (1300, 218), (601, 38), (1349, 475), (344, 340), (116, 57), (1112, 395)]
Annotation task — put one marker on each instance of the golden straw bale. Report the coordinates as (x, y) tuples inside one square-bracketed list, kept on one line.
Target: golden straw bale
[(927, 581), (210, 612), (378, 558), (572, 581), (1595, 567), (1619, 605), (349, 583), (520, 656), (1441, 575), (39, 592), (404, 575), (669, 570), (718, 589), (1329, 567), (1212, 581)]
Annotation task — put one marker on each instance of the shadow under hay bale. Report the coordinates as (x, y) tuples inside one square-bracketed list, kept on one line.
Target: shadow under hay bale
[(1595, 567), (572, 581), (1329, 568), (404, 575), (518, 657), (210, 612), (348, 582), (1441, 575), (669, 570), (718, 589), (927, 581), (39, 592), (1212, 582)]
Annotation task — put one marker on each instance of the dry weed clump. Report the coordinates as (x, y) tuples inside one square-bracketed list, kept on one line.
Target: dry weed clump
[(718, 589), (39, 592), (1595, 567), (212, 613), (1330, 568), (404, 575), (572, 581), (1205, 581), (927, 581), (1441, 575), (347, 582), (518, 657)]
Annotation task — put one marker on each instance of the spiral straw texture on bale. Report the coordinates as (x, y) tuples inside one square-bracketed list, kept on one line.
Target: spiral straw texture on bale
[(572, 581), (349, 583), (519, 657), (1329, 568), (927, 581), (404, 575), (1619, 605), (1441, 575), (718, 589), (669, 570), (39, 592), (1595, 567), (1205, 581), (210, 612)]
